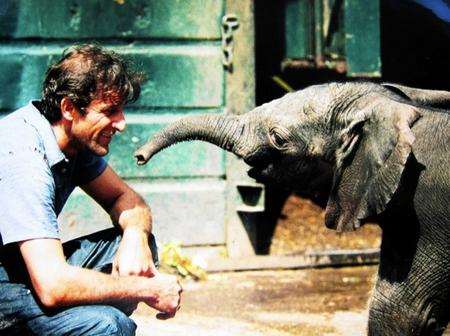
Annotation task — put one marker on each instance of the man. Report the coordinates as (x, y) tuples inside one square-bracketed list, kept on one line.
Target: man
[(82, 287)]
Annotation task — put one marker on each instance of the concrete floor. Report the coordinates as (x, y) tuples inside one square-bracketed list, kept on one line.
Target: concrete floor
[(329, 301)]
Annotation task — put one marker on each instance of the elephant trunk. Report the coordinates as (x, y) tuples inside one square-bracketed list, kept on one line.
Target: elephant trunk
[(221, 130)]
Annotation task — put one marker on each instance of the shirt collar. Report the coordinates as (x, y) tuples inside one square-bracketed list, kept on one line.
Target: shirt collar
[(35, 118)]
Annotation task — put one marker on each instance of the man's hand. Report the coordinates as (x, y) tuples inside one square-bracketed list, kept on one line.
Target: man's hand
[(129, 210), (134, 257), (168, 295), (58, 284)]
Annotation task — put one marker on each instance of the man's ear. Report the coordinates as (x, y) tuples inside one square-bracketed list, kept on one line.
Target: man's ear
[(67, 108), (369, 165)]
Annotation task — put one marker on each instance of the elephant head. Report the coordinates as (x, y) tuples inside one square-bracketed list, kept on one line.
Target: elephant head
[(357, 133)]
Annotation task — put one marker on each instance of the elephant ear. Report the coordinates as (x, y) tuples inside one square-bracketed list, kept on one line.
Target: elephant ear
[(430, 98), (370, 162)]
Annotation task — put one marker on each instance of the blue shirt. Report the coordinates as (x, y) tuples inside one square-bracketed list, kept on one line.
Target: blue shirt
[(36, 178)]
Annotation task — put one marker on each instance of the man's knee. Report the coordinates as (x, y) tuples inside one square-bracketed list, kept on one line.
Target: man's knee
[(114, 321), (85, 320)]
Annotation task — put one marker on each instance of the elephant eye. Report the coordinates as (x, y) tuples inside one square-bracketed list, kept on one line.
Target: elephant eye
[(278, 140)]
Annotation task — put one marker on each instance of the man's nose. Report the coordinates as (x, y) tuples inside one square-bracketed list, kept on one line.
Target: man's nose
[(119, 122)]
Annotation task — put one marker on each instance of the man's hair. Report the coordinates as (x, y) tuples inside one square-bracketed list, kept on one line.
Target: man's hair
[(84, 72)]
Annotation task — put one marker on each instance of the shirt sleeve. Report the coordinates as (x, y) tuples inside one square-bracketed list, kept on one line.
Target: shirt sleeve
[(27, 193), (89, 166)]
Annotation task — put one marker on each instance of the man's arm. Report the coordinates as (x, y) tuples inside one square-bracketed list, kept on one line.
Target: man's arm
[(129, 210), (59, 284)]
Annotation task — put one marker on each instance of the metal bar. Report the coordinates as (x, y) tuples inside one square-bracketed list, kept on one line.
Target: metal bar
[(299, 27), (240, 98), (318, 29), (338, 65), (310, 260), (362, 38)]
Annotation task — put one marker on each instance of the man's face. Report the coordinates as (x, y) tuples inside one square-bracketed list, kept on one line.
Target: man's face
[(101, 119)]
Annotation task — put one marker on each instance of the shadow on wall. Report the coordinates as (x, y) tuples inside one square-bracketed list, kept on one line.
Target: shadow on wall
[(415, 43), (269, 48)]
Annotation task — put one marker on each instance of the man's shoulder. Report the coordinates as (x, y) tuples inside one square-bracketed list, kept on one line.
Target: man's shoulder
[(16, 132)]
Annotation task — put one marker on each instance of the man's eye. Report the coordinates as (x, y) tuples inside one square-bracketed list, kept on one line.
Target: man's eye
[(110, 112)]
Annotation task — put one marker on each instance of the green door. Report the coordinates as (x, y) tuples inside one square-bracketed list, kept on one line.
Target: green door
[(336, 34)]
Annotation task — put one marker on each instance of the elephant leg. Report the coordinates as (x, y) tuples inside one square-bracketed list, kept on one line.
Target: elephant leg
[(411, 296), (392, 312)]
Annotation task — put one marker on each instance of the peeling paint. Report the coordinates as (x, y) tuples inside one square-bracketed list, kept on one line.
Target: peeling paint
[(75, 17), (194, 19)]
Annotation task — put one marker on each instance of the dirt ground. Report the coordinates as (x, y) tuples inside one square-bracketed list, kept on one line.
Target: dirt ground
[(312, 302), (300, 228), (328, 302)]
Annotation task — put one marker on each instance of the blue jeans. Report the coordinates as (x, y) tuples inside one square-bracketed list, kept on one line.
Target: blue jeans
[(22, 314)]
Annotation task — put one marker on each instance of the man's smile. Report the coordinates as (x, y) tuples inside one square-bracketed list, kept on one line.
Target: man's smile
[(107, 134)]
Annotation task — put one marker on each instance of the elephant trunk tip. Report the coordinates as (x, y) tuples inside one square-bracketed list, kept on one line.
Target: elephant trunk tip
[(143, 155), (140, 159)]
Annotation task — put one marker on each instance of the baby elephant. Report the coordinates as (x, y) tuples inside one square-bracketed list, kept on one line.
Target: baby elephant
[(387, 149)]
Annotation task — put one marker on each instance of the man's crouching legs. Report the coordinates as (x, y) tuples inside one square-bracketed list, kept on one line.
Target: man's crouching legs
[(20, 313), (84, 320)]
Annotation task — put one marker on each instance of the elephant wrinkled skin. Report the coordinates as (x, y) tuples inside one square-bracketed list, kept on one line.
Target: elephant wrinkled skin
[(385, 149)]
